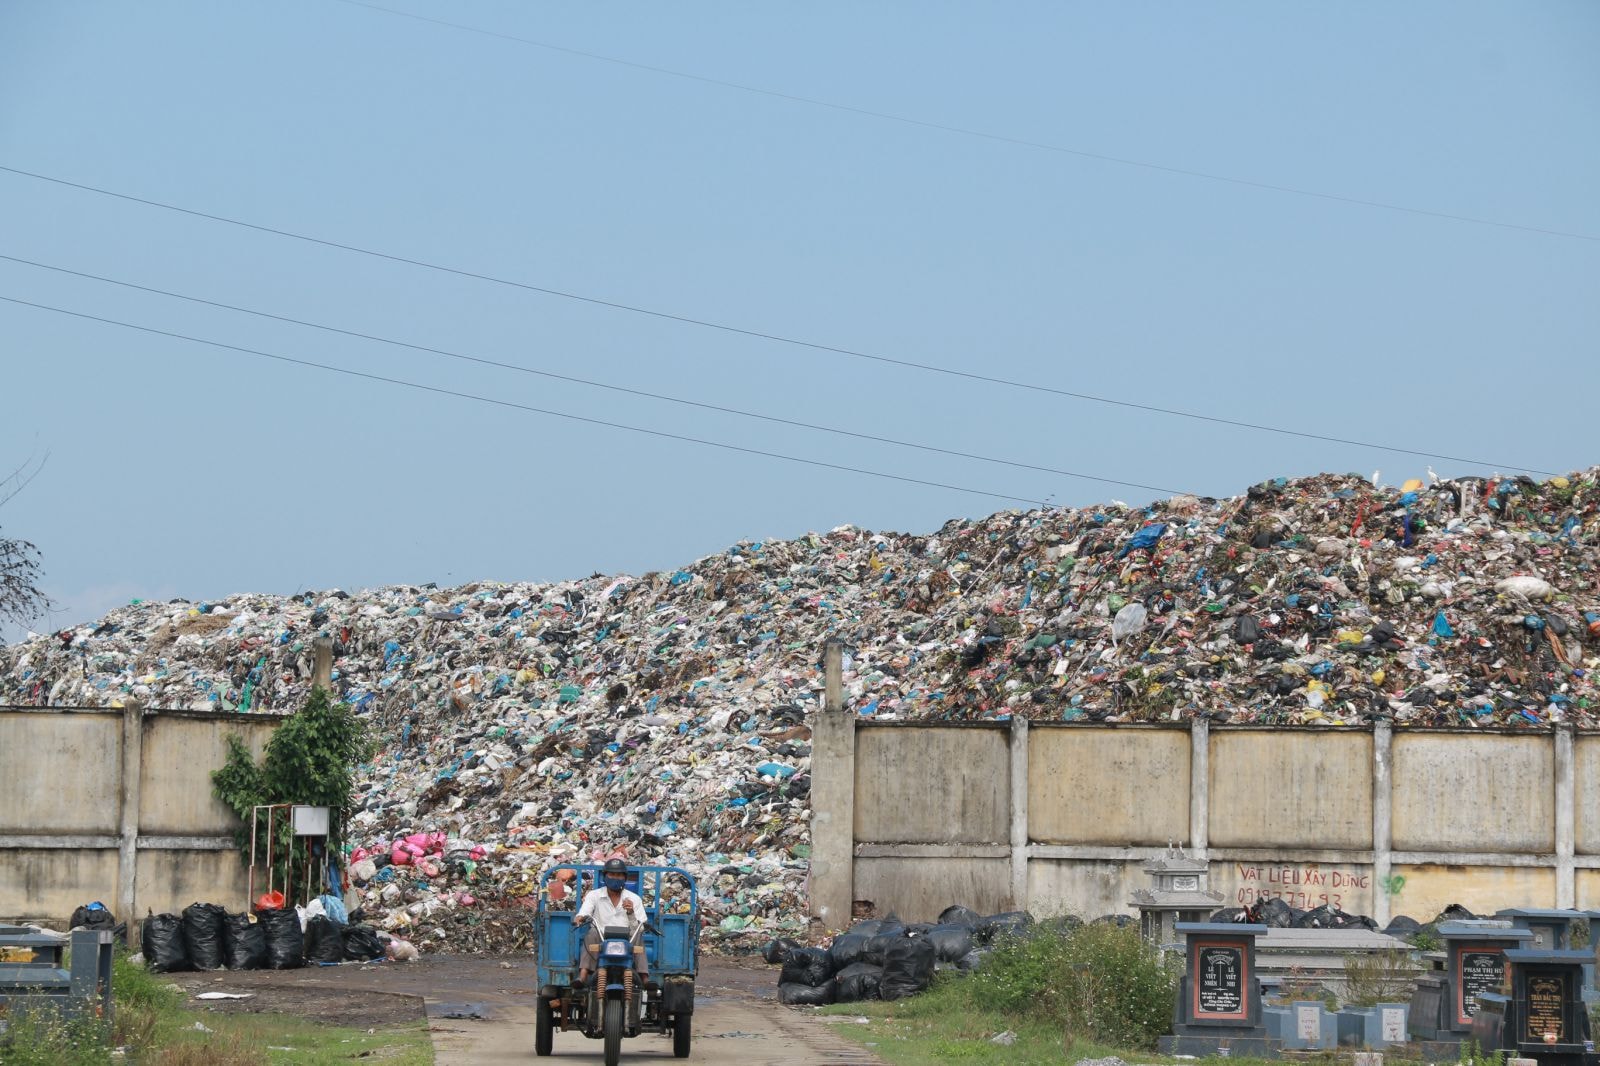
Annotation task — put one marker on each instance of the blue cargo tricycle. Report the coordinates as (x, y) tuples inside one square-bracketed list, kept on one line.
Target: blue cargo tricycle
[(615, 1004)]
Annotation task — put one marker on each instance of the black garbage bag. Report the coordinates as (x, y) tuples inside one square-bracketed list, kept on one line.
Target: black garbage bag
[(1060, 925), (286, 944), (96, 916), (1227, 914), (1121, 921), (806, 966), (202, 931), (244, 943), (777, 951), (892, 926), (92, 916), (908, 969), (361, 943), (1402, 926), (877, 948), (858, 982), (950, 942), (971, 960), (795, 995), (1453, 913), (161, 940), (998, 926), (870, 927), (1275, 914), (918, 928), (324, 940), (1246, 630), (847, 948), (959, 915)]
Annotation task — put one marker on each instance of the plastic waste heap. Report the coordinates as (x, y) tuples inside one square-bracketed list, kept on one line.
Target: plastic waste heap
[(665, 716)]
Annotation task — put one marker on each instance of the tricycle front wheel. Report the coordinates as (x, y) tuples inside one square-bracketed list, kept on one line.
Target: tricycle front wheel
[(613, 1031), (680, 1035), (542, 1028)]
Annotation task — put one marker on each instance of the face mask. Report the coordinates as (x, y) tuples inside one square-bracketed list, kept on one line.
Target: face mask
[(615, 883)]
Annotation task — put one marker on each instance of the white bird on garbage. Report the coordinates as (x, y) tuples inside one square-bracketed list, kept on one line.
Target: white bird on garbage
[(1433, 479), (1375, 475)]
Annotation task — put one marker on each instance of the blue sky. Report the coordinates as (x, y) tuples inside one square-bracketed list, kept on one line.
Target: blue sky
[(177, 469)]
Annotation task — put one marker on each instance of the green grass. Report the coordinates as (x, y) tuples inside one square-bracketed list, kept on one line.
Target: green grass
[(150, 1020)]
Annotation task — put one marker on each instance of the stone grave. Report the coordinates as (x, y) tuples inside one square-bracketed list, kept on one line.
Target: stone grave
[(1474, 964), (1219, 996), (1542, 1015)]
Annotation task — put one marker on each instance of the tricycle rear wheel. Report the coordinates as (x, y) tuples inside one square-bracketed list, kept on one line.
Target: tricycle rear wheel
[(542, 1029), (680, 1035), (613, 1027)]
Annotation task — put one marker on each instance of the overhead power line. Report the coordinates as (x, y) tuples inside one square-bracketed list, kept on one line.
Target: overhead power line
[(965, 131), (774, 337), (645, 393), (365, 375)]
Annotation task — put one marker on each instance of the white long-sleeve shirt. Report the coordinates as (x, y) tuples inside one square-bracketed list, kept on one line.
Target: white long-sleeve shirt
[(599, 909)]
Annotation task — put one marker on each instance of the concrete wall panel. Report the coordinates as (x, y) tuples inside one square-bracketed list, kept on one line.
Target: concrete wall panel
[(169, 881), (175, 796), (59, 772), (1588, 891), (1300, 884), (1586, 790), (918, 889), (1463, 793), (1291, 789), (1083, 887), (1108, 786), (932, 786), (46, 884), (1480, 889)]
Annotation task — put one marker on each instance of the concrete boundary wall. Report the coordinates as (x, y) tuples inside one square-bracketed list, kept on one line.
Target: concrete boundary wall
[(116, 805), (1058, 817)]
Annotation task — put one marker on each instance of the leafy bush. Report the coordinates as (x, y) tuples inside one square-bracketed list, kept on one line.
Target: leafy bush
[(1100, 983), (1379, 977), (311, 759)]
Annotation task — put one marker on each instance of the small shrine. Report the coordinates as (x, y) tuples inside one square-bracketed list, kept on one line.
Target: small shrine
[(1177, 893)]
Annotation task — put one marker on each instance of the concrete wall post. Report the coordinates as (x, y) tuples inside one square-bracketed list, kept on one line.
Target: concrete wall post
[(1019, 813), (128, 821), (1566, 816), (322, 668), (1382, 819), (833, 792), (1199, 787)]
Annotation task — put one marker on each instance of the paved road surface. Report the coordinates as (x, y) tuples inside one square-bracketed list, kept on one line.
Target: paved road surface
[(481, 1012)]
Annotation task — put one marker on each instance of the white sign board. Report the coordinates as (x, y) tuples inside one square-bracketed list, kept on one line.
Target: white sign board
[(309, 821)]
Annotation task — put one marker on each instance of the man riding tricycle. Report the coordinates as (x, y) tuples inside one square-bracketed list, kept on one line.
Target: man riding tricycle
[(623, 962)]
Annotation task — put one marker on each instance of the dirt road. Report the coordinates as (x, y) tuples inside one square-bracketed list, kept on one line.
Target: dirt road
[(480, 1011)]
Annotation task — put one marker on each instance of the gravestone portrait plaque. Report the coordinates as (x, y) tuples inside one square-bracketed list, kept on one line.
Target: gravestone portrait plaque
[(1219, 971), (1547, 1009), (1481, 969)]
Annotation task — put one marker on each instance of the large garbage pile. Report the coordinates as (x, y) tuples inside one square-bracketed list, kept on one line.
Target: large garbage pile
[(665, 716)]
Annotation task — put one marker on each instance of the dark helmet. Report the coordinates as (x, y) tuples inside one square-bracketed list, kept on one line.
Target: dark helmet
[(615, 866)]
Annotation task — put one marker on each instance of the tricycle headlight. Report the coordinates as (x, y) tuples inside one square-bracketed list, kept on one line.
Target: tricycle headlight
[(617, 948)]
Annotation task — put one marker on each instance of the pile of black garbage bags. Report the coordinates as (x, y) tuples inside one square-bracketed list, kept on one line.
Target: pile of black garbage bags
[(207, 937), (1277, 914), (887, 958)]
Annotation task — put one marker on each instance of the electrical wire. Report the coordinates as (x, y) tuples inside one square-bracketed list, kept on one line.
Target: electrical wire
[(778, 338), (965, 131), (645, 393), (293, 361)]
